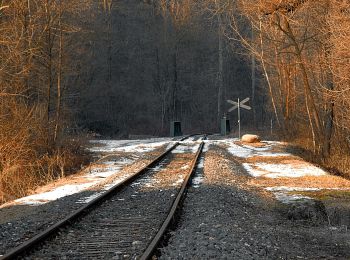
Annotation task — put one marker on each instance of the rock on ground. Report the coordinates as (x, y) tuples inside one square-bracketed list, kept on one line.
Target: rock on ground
[(248, 138)]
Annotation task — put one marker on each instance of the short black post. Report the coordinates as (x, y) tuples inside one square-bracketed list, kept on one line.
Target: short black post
[(175, 129), (225, 126)]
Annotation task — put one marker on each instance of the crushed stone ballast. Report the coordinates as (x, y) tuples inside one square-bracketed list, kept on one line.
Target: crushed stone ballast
[(118, 222)]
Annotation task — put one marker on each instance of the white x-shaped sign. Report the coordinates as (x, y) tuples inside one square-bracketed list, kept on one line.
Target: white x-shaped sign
[(240, 104)]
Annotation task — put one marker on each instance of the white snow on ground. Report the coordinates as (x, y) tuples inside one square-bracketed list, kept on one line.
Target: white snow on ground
[(106, 187), (190, 139), (197, 181), (186, 149), (294, 169), (248, 152), (199, 177), (55, 194), (263, 148), (272, 170), (206, 147), (269, 170), (282, 193), (290, 198), (285, 188), (185, 167), (228, 141), (239, 151), (140, 148), (144, 145), (157, 168), (92, 178), (121, 161), (201, 163), (89, 198), (179, 181), (97, 175), (101, 173)]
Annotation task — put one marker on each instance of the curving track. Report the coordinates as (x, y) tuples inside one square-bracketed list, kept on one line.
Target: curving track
[(126, 222)]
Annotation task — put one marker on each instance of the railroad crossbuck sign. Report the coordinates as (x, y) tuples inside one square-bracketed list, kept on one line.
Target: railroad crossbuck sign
[(239, 104)]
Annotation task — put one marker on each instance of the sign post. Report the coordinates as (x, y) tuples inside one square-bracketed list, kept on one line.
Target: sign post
[(238, 105)]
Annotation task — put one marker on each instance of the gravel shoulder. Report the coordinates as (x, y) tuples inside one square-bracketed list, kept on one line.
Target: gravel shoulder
[(226, 218)]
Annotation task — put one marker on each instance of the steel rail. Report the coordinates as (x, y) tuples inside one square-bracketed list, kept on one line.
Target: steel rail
[(152, 247), (39, 238)]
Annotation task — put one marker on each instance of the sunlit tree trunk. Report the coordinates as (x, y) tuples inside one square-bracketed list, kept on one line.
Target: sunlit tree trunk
[(59, 76)]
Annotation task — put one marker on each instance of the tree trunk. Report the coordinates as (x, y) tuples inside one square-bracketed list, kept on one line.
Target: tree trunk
[(49, 67), (267, 76), (59, 77), (220, 70)]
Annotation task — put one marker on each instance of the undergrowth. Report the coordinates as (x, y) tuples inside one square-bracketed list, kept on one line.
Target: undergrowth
[(21, 175), (337, 162)]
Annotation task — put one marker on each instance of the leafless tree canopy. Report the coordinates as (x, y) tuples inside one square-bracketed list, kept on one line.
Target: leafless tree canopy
[(118, 67)]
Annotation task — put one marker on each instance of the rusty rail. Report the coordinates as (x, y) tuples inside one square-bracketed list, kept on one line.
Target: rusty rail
[(152, 247), (49, 232)]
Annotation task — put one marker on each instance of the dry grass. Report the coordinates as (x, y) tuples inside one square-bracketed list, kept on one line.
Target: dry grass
[(329, 195), (274, 159), (325, 182), (337, 163), (23, 176), (28, 156)]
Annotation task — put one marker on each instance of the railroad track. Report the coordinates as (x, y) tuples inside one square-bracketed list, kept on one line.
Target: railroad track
[(127, 221)]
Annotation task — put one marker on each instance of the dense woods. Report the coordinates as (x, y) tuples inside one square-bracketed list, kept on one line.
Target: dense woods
[(41, 56), (118, 68), (301, 48)]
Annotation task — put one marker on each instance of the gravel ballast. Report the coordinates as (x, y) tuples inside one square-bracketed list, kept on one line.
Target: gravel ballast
[(123, 225), (223, 218), (19, 223), (227, 214)]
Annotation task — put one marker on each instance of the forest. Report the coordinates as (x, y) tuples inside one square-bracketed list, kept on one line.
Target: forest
[(70, 69)]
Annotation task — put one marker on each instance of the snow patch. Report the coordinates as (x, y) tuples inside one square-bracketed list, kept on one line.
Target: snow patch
[(290, 198), (206, 147), (179, 181), (55, 194), (185, 167), (185, 149), (282, 170), (201, 163), (89, 198), (197, 181), (239, 151), (93, 177), (248, 152), (145, 145), (285, 188)]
